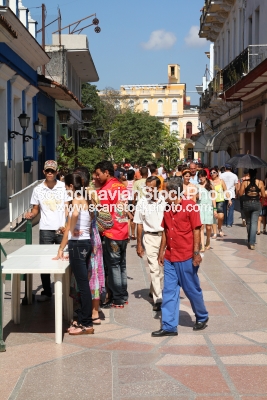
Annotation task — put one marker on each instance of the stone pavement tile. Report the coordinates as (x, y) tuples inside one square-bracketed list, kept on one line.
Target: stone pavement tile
[(138, 374), (9, 378), (254, 278), (136, 358), (227, 338), (164, 397), (262, 266), (146, 338), (248, 359), (211, 296), (214, 308), (156, 389), (239, 350), (249, 379), (173, 359), (187, 340), (229, 257), (27, 355), (76, 377), (200, 379), (128, 346), (20, 338), (215, 398), (258, 287), (246, 271), (238, 264), (254, 397), (119, 333), (89, 341), (258, 336), (206, 286), (190, 350), (263, 296)]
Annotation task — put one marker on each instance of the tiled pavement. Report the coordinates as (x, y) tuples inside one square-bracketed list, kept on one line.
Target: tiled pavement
[(228, 360)]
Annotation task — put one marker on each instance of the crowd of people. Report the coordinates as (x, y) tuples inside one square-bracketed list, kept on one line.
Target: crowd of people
[(173, 216)]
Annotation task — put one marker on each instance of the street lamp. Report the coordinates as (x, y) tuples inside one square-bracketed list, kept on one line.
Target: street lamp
[(24, 121)]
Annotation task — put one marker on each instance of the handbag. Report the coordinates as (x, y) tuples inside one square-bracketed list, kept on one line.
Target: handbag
[(104, 220)]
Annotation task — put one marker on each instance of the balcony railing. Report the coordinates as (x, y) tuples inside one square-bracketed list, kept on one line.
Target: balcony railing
[(249, 59)]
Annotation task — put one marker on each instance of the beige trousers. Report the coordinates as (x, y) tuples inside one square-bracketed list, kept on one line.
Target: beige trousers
[(152, 245)]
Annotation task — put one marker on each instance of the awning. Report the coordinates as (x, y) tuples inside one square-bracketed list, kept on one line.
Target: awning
[(242, 127), (61, 93), (222, 140), (200, 143)]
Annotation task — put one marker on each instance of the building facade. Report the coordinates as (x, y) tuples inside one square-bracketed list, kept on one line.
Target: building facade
[(234, 106), (20, 57), (168, 102)]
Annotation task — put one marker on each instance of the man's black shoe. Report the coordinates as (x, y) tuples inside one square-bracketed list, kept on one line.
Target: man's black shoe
[(161, 332), (200, 325), (150, 295), (157, 307)]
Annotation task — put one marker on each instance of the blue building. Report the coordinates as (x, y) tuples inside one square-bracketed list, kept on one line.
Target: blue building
[(20, 57)]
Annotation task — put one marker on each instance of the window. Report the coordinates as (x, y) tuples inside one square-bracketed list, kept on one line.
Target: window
[(228, 47), (174, 127), (234, 39), (117, 104), (190, 154), (174, 106), (160, 106), (257, 27), (250, 31), (131, 104), (172, 71), (145, 105), (188, 129)]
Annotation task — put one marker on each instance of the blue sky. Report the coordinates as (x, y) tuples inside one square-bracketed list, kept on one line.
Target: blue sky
[(138, 38)]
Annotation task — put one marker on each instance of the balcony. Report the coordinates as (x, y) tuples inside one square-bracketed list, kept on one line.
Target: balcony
[(214, 15), (248, 60)]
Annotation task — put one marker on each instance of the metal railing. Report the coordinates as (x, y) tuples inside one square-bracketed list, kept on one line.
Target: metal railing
[(19, 203), (245, 62)]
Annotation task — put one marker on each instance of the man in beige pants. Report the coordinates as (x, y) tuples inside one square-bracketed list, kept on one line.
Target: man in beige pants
[(148, 217)]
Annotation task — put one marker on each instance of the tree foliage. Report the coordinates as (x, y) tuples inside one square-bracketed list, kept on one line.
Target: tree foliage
[(170, 145), (66, 156)]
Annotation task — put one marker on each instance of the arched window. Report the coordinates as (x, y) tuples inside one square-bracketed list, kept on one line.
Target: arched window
[(174, 127), (131, 104), (174, 106), (189, 129), (145, 105), (160, 107), (117, 104)]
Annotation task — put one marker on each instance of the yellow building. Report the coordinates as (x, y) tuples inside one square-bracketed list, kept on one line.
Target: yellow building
[(168, 102)]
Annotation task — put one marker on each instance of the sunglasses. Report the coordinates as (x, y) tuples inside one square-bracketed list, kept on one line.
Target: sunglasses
[(213, 173), (50, 171)]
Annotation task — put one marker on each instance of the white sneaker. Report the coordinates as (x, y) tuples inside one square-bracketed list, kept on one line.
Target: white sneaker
[(43, 298)]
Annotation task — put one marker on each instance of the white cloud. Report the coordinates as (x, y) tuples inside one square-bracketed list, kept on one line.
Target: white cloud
[(159, 40), (193, 40)]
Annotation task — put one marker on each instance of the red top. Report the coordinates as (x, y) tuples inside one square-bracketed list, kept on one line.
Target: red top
[(114, 193), (179, 226)]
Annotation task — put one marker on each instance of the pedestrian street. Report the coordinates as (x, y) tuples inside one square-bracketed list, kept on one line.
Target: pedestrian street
[(227, 360)]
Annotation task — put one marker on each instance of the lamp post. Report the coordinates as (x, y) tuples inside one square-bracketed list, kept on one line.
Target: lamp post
[(24, 122)]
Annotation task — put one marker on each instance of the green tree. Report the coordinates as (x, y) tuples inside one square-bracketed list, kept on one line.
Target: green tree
[(170, 149), (66, 156), (137, 136), (89, 156)]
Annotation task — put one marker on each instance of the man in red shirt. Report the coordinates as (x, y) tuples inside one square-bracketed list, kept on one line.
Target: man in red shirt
[(179, 251), (112, 194)]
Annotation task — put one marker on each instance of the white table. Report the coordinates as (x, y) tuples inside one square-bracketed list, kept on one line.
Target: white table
[(37, 259)]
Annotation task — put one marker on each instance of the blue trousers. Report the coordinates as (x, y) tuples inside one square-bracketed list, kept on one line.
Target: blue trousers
[(181, 275), (228, 213)]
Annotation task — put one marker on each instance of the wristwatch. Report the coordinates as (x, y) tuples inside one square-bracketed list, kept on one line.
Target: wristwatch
[(196, 253)]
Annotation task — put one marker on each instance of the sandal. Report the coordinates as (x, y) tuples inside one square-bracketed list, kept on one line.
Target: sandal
[(133, 237), (207, 246), (72, 326), (221, 234), (82, 330), (214, 236), (258, 233), (113, 305), (94, 320)]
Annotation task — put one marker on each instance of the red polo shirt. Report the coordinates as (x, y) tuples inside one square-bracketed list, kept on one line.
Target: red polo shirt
[(179, 226), (115, 194)]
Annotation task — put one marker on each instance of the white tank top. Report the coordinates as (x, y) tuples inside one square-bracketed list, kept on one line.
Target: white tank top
[(83, 225), (130, 189)]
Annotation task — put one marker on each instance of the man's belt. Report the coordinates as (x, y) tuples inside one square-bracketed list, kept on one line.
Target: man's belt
[(155, 233)]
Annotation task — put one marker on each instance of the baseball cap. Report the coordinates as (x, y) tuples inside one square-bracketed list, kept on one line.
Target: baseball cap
[(50, 164), (228, 166), (127, 165)]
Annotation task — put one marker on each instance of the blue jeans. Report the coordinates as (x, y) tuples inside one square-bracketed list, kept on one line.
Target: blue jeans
[(252, 209), (228, 212), (114, 252), (79, 252), (181, 274), (48, 237)]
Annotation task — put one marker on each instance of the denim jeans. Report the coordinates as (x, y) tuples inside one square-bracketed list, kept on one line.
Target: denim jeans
[(228, 212), (252, 209), (79, 252), (114, 252), (48, 237), (241, 208)]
